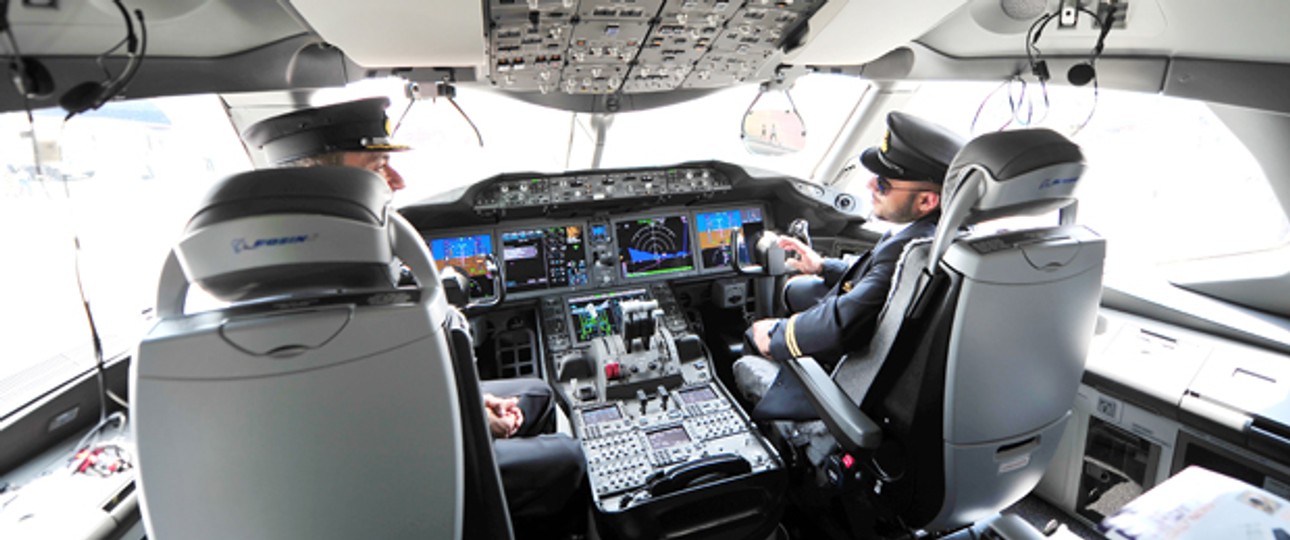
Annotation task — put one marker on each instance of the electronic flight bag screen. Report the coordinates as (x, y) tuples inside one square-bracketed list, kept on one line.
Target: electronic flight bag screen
[(469, 255), (544, 258), (653, 246), (715, 234)]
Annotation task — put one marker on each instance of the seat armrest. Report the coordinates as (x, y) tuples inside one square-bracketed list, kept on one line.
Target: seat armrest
[(851, 427)]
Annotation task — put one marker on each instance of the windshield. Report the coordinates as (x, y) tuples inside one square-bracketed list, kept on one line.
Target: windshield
[(519, 136)]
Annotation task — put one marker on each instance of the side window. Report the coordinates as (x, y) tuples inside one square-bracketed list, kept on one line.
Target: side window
[(1167, 182), (120, 182)]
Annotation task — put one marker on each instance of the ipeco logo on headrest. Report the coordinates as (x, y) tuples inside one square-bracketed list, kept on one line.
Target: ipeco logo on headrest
[(241, 244), (1052, 182)]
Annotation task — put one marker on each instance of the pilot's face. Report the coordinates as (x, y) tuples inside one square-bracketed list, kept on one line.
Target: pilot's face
[(903, 201), (377, 162)]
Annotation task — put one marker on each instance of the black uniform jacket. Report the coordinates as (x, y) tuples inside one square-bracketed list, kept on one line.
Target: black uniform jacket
[(845, 318)]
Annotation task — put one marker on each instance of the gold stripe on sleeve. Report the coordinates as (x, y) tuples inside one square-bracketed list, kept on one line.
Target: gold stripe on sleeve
[(790, 337)]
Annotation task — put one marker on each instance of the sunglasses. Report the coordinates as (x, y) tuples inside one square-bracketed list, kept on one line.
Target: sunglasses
[(885, 187)]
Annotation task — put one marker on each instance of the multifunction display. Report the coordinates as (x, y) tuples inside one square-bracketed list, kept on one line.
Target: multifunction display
[(715, 229), (595, 416), (598, 315), (654, 245), (469, 255), (667, 438), (696, 395), (544, 257)]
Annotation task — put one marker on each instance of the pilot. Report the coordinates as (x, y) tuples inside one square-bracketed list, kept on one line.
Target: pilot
[(541, 471), (842, 303)]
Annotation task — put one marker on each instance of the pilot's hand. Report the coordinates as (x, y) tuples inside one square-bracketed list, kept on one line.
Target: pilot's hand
[(761, 335), (807, 262), (504, 415)]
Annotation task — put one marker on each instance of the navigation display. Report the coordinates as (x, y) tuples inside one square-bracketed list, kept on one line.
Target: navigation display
[(652, 246), (715, 230), (596, 315), (468, 254), (544, 258)]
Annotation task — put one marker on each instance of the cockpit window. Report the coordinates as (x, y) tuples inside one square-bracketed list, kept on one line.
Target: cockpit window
[(709, 127), (1167, 182), (120, 181), (519, 136)]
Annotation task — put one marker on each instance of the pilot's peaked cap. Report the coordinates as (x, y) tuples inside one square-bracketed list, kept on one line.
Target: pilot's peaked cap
[(912, 149), (355, 126)]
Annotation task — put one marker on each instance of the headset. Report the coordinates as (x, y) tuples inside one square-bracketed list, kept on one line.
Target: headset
[(91, 95), (1079, 74), (34, 81)]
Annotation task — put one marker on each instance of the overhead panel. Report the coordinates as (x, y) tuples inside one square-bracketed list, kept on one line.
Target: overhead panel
[(636, 46)]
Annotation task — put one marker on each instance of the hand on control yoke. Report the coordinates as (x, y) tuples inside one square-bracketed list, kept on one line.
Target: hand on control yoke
[(807, 261)]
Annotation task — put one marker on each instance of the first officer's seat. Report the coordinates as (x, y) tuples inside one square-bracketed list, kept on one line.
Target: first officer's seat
[(322, 401), (954, 410)]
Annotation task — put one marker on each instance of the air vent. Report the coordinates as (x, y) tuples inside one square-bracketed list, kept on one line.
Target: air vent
[(844, 203)]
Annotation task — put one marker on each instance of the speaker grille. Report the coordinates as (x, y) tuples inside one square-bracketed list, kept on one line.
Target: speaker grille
[(1023, 10)]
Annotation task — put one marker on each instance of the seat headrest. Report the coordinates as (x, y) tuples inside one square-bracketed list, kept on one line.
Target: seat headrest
[(290, 231), (344, 192), (1021, 172), (1025, 171)]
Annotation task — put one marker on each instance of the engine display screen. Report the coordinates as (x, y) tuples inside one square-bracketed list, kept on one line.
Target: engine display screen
[(544, 258), (469, 255), (595, 416), (695, 395), (653, 246), (596, 315), (667, 438), (715, 229)]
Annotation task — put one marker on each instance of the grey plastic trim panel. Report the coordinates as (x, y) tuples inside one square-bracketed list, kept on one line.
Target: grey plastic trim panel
[(295, 62), (1223, 320), (1258, 85)]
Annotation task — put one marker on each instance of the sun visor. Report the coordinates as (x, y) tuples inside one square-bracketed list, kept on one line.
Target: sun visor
[(400, 33), (854, 32)]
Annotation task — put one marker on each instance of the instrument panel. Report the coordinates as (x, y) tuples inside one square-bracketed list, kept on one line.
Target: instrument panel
[(542, 256), (597, 186)]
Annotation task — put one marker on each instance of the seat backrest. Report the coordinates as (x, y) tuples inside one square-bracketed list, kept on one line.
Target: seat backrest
[(324, 401), (976, 359)]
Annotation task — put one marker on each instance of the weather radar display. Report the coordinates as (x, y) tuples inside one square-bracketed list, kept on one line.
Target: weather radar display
[(651, 246), (469, 255)]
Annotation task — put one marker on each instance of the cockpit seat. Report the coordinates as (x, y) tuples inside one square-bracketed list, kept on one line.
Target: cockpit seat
[(322, 401), (954, 409)]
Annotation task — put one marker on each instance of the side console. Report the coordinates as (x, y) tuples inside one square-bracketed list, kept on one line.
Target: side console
[(668, 450)]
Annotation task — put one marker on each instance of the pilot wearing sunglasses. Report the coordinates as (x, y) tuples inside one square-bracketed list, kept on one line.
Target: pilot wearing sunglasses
[(909, 168)]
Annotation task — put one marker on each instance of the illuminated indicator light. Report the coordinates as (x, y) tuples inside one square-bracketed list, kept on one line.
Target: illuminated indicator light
[(848, 461)]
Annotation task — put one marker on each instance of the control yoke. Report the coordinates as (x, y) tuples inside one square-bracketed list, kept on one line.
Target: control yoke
[(456, 286), (770, 265), (767, 257)]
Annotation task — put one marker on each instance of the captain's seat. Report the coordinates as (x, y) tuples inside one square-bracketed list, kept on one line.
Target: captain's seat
[(954, 410), (323, 401)]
